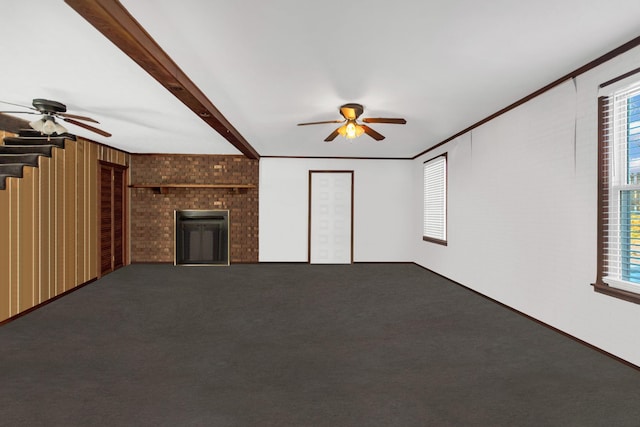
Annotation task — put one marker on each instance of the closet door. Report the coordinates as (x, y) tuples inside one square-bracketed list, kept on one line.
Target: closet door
[(112, 217), (331, 217), (106, 226), (118, 217)]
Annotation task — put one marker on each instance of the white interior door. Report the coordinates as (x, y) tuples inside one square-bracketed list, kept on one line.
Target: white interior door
[(331, 218)]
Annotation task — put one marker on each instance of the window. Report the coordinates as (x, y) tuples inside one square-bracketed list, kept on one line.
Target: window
[(435, 200), (619, 193)]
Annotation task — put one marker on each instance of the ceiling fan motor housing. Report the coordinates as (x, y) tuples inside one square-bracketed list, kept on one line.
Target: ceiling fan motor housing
[(351, 111), (46, 106)]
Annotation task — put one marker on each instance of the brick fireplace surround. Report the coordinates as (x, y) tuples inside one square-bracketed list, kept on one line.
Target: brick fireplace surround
[(152, 218)]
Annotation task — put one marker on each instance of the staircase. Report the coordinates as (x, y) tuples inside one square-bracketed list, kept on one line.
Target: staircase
[(24, 150)]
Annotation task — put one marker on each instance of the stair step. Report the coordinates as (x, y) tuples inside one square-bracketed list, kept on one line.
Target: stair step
[(43, 150), (11, 169), (24, 150), (29, 133), (17, 140), (26, 159), (32, 133)]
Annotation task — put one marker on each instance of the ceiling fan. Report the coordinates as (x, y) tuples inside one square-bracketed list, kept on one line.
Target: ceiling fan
[(351, 128), (50, 110)]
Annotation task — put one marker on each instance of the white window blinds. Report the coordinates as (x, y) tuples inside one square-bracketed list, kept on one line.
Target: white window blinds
[(435, 200), (621, 211)]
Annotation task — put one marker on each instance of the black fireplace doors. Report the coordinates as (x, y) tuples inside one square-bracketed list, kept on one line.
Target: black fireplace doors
[(202, 237)]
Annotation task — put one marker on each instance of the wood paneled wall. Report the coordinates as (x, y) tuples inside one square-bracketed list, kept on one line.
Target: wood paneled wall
[(49, 226)]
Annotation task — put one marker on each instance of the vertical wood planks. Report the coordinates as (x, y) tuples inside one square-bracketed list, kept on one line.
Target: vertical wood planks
[(14, 274), (25, 215), (58, 196), (70, 226), (46, 241), (92, 180), (5, 259), (35, 244), (49, 226), (80, 210)]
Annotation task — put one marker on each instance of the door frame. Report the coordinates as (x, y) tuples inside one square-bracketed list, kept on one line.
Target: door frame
[(115, 168), (311, 172)]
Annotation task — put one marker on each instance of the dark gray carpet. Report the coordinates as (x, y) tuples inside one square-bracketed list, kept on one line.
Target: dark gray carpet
[(299, 345)]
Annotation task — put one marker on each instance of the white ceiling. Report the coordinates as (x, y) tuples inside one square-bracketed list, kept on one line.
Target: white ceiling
[(443, 65)]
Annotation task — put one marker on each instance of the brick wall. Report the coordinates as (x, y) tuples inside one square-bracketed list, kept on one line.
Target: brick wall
[(152, 214)]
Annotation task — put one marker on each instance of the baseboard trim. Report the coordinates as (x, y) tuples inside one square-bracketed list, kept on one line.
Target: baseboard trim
[(540, 322), (152, 262), (283, 262), (354, 262), (50, 300), (383, 262), (194, 265)]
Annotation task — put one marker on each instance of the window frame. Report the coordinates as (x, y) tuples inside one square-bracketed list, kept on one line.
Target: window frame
[(445, 224), (605, 189)]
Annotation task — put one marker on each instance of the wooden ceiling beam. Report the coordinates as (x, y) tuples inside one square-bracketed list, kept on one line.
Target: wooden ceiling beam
[(118, 25)]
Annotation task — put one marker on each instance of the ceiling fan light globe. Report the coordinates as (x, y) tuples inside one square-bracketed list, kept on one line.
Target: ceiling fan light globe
[(37, 124), (60, 129), (350, 131), (48, 127)]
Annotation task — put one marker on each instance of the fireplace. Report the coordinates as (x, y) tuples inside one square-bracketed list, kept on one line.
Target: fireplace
[(202, 237)]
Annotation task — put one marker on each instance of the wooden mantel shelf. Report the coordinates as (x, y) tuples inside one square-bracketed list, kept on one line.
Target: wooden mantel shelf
[(163, 188)]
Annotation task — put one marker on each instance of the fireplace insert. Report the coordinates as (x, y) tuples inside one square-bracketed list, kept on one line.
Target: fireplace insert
[(202, 237)]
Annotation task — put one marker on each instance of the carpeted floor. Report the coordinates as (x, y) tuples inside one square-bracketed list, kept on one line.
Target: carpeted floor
[(299, 345)]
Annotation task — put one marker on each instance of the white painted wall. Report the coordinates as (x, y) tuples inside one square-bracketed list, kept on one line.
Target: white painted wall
[(383, 217), (522, 213)]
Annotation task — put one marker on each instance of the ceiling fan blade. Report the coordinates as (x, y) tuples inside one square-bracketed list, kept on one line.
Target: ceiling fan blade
[(74, 116), (332, 136), (88, 127), (372, 133), (320, 123), (20, 112), (384, 120), (18, 105)]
